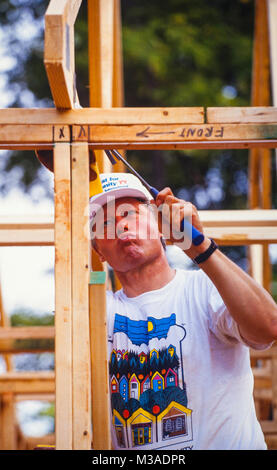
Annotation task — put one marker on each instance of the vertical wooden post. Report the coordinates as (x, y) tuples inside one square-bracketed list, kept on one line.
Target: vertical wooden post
[(259, 159), (106, 90), (8, 422), (7, 400), (63, 305), (80, 297)]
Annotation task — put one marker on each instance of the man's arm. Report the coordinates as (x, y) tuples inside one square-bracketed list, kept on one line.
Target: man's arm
[(251, 306)]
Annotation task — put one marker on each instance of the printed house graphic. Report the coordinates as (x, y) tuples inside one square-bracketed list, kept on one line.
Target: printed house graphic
[(148, 391), (144, 428)]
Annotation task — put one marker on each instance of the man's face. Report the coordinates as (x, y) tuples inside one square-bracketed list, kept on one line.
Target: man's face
[(127, 234)]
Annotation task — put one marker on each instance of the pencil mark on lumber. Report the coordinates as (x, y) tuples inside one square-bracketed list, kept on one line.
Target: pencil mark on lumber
[(201, 132), (61, 134), (82, 132), (145, 133)]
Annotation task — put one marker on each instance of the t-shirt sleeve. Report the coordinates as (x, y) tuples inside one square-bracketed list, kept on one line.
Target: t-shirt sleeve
[(221, 323)]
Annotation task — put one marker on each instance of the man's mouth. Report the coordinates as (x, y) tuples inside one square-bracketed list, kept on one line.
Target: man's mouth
[(127, 237)]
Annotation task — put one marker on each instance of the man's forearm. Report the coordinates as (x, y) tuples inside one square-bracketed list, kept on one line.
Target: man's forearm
[(250, 305)]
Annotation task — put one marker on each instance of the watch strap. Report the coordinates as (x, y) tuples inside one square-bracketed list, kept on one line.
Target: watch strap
[(206, 254)]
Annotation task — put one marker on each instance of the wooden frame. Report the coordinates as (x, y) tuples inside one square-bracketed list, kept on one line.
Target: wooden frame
[(80, 308), (59, 58)]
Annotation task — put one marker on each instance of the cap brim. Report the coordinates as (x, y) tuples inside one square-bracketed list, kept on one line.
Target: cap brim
[(104, 198)]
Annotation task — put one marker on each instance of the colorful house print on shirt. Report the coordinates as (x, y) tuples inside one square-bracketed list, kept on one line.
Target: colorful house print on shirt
[(148, 399)]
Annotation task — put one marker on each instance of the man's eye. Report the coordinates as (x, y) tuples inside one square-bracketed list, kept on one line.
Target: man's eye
[(107, 222), (128, 213)]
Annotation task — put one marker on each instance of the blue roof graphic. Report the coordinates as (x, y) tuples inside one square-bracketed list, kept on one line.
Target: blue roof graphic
[(141, 331)]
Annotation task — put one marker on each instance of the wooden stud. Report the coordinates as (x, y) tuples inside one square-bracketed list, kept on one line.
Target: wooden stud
[(260, 158), (272, 21), (8, 422), (59, 57), (99, 355), (80, 298), (63, 301)]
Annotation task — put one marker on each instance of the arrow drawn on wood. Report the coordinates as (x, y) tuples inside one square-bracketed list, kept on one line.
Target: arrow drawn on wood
[(146, 134)]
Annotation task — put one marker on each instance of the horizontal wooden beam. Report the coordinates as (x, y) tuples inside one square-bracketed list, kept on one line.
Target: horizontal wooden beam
[(10, 346), (27, 332), (33, 135), (244, 217), (16, 340), (49, 397), (140, 128), (26, 230), (112, 116), (242, 235), (172, 133), (142, 136), (236, 115), (228, 227), (26, 237), (27, 382)]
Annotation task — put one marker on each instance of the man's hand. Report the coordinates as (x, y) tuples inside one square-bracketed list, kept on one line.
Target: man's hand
[(173, 211)]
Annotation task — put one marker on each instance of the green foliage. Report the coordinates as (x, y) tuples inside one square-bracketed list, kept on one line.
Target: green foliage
[(25, 317)]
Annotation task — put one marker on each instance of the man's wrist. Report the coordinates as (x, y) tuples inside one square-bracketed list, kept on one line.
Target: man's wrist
[(206, 253)]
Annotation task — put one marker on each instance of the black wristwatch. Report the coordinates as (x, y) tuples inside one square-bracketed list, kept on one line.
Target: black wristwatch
[(206, 254)]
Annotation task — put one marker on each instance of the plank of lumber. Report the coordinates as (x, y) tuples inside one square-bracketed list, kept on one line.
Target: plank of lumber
[(272, 17), (101, 51), (25, 346), (50, 397), (27, 221), (33, 133), (101, 22), (240, 227), (27, 332), (243, 115), (113, 116), (242, 235), (99, 354), (173, 132), (63, 302), (59, 56), (259, 172), (244, 217), (26, 230), (81, 378), (27, 382), (8, 422), (44, 237)]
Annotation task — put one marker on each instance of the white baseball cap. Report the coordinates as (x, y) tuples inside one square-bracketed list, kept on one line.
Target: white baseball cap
[(117, 185)]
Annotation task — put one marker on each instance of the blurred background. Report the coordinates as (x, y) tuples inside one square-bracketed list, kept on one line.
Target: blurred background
[(175, 53)]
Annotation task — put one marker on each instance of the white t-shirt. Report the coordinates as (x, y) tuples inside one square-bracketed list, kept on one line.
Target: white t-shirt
[(179, 371)]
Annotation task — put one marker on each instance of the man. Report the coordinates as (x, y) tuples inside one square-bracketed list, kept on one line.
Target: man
[(180, 375)]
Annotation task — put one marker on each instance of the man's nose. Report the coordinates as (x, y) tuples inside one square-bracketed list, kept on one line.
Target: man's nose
[(122, 225)]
